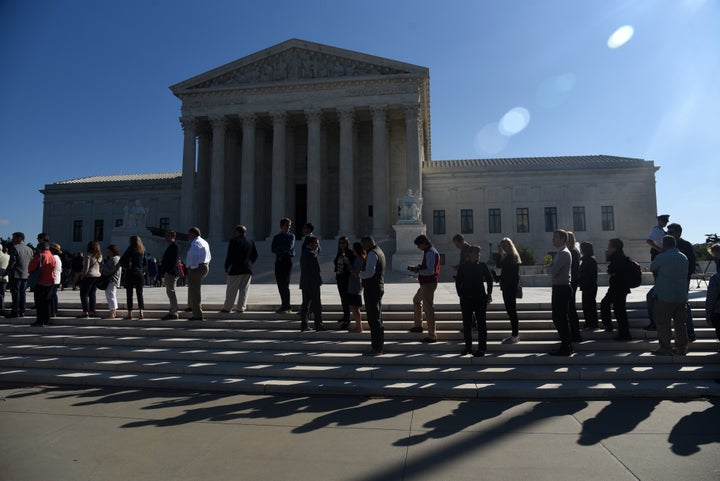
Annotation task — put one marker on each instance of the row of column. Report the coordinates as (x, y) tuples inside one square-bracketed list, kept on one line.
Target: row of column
[(193, 192)]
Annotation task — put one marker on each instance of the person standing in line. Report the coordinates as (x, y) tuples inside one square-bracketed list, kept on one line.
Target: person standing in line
[(170, 272), (134, 261), (76, 267), (424, 300), (654, 241), (44, 261), (112, 268), (508, 261), (474, 299), (561, 292), (88, 279), (687, 249), (464, 248), (198, 264), (712, 301), (17, 271), (283, 246), (355, 286), (587, 279), (574, 283), (56, 252), (241, 255), (373, 283), (4, 261), (310, 282), (616, 297), (344, 260), (671, 296)]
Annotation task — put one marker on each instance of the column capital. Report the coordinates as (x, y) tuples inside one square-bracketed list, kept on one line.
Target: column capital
[(189, 124), (218, 121), (314, 115), (411, 112), (248, 119), (379, 112), (279, 116), (346, 112)]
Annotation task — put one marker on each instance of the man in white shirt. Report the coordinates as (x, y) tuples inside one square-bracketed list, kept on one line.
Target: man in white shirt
[(198, 266)]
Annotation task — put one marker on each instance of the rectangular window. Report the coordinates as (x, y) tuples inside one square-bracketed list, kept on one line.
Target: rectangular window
[(164, 223), (466, 221), (118, 222), (523, 219), (494, 224), (550, 219), (438, 222), (77, 231), (99, 230), (579, 219), (607, 216)]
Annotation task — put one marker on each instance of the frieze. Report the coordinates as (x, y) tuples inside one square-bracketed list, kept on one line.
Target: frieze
[(298, 64)]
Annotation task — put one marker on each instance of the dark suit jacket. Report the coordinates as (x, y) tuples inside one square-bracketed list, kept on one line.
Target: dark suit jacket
[(241, 255), (310, 277), (170, 259)]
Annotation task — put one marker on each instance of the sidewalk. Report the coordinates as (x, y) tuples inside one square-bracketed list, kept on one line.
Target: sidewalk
[(68, 434)]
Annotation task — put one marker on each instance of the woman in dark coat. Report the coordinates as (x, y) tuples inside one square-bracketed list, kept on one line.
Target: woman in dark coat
[(474, 299), (587, 277), (343, 267), (509, 261), (135, 264)]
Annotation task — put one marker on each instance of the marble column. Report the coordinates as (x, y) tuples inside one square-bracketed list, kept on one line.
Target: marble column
[(279, 171), (380, 172), (187, 189), (216, 229), (345, 175), (203, 179), (314, 171), (412, 149), (247, 182)]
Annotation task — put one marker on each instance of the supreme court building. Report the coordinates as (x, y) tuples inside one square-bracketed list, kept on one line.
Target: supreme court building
[(339, 138)]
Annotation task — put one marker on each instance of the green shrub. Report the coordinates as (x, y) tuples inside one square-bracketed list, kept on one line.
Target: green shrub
[(527, 255)]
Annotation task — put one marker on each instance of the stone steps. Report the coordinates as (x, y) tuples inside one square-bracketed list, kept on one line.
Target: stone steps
[(262, 352)]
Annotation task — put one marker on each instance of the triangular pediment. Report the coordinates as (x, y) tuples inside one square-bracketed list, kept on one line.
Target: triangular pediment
[(297, 61)]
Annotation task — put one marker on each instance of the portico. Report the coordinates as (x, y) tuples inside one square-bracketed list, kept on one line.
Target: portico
[(304, 131)]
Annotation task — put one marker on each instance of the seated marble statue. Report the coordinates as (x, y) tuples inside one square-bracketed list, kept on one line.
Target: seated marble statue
[(410, 207)]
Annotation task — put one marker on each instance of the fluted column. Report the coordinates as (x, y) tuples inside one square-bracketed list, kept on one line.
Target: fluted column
[(379, 172), (347, 192), (247, 182), (412, 149), (187, 189), (279, 171), (217, 173), (203, 178), (314, 171)]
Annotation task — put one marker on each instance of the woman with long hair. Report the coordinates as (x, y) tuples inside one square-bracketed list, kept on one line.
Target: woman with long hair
[(88, 278), (343, 264), (112, 268), (135, 264), (355, 286), (588, 283), (509, 261)]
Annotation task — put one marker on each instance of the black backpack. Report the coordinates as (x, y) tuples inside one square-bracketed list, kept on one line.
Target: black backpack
[(634, 274)]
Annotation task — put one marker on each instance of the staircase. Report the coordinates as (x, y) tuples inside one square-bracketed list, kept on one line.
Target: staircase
[(262, 352)]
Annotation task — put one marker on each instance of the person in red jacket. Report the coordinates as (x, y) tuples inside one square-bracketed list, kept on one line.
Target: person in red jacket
[(424, 299), (44, 261)]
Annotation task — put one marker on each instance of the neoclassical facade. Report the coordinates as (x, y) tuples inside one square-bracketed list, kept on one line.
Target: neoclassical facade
[(335, 137)]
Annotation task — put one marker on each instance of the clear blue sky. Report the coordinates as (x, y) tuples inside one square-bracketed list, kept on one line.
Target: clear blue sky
[(85, 82)]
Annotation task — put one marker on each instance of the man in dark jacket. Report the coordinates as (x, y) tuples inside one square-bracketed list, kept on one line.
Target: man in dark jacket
[(241, 255), (17, 270), (170, 272), (616, 297), (310, 282)]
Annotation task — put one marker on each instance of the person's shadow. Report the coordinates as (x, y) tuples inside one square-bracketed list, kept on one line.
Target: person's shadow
[(618, 417), (696, 429)]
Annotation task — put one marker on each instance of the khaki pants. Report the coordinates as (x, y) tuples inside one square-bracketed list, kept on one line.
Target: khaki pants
[(424, 300), (237, 286), (170, 281), (663, 313), (194, 278)]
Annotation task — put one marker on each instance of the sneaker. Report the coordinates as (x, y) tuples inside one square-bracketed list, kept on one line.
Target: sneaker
[(510, 340), (417, 329), (170, 317)]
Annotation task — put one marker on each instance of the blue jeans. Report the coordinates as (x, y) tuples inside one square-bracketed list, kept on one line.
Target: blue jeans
[(17, 290)]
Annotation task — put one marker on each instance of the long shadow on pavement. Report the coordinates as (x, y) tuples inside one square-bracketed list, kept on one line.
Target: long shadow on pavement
[(618, 417)]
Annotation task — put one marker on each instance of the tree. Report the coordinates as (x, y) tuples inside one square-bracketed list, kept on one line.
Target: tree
[(527, 255)]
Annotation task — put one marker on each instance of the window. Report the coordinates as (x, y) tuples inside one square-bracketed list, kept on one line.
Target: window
[(579, 219), (466, 221), (607, 216), (550, 219), (77, 231), (523, 219), (99, 230), (494, 224), (164, 223), (438, 222), (118, 222)]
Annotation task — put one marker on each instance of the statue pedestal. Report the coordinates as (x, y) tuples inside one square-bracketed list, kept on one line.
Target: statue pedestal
[(406, 254)]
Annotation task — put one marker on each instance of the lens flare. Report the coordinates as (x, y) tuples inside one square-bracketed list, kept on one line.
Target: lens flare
[(489, 141), (554, 91), (621, 36), (514, 121)]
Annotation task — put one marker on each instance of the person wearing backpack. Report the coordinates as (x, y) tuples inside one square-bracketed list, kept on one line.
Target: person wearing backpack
[(619, 271)]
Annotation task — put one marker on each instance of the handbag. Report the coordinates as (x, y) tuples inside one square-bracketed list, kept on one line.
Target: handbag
[(103, 282), (34, 276), (519, 292)]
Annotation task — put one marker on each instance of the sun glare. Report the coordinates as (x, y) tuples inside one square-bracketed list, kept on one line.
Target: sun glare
[(514, 121), (621, 36)]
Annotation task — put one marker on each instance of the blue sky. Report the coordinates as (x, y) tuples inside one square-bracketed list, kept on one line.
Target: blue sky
[(85, 82)]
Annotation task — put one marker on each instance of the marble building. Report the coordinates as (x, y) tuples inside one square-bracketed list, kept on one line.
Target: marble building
[(339, 138)]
